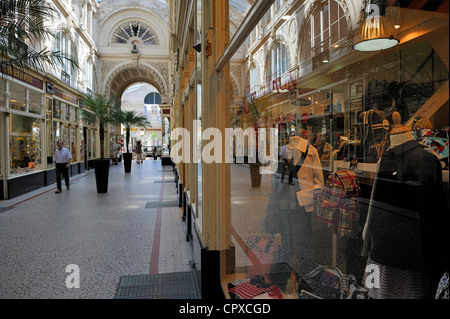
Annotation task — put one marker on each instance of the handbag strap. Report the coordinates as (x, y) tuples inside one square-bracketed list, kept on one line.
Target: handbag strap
[(302, 159)]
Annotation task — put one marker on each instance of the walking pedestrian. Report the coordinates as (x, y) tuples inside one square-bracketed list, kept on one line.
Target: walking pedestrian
[(62, 160), (287, 163)]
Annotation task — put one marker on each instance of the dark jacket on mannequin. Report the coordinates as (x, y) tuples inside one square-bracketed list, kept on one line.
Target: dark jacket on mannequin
[(410, 213)]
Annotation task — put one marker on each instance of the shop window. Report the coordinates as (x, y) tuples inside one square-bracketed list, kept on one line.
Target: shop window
[(57, 111), (73, 113), (285, 225), (56, 134), (17, 97), (65, 110), (82, 146), (2, 92), (35, 102), (49, 133), (66, 135), (25, 144), (73, 143)]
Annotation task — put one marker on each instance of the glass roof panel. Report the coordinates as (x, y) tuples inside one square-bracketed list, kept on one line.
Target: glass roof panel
[(242, 5)]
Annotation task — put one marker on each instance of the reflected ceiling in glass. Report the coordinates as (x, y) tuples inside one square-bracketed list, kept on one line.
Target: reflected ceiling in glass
[(241, 5)]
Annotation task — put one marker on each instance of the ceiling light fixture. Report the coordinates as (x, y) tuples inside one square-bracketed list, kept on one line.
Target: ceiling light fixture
[(285, 17), (375, 34)]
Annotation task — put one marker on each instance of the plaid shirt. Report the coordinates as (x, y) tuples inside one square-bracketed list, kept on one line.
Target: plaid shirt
[(336, 206)]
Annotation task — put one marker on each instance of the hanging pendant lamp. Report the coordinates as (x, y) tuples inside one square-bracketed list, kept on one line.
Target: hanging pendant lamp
[(376, 33)]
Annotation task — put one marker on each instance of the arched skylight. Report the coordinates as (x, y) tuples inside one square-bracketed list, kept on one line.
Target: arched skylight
[(135, 32)]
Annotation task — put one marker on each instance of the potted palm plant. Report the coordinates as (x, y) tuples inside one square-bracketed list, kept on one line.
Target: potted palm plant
[(129, 119), (249, 116), (99, 111)]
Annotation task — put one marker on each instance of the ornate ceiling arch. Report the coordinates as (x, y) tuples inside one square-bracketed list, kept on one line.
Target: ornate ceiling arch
[(122, 76)]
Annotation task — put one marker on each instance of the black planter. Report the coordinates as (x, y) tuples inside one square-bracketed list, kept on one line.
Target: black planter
[(101, 174), (127, 159)]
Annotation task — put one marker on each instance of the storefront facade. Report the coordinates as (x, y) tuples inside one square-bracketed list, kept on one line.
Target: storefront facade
[(38, 108), (22, 126), (367, 153), (35, 114)]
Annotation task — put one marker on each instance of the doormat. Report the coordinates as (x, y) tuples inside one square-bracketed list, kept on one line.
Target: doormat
[(161, 204), (5, 209), (180, 285)]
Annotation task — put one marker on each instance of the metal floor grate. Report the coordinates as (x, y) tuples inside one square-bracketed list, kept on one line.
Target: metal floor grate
[(161, 204), (179, 285)]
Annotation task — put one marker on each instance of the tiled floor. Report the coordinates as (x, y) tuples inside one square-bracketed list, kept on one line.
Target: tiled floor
[(106, 235)]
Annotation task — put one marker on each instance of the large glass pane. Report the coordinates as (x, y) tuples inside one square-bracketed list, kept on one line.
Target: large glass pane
[(57, 111), (24, 144), (17, 97), (35, 103), (362, 143), (49, 133), (1, 148), (199, 117), (73, 143), (2, 92), (82, 146)]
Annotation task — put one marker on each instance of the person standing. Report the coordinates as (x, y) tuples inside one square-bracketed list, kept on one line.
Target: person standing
[(286, 163), (139, 153), (62, 160)]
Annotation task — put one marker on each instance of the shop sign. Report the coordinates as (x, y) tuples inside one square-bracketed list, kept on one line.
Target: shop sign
[(22, 76), (147, 129), (65, 96)]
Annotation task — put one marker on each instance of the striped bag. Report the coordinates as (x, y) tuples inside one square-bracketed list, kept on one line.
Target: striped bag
[(337, 206)]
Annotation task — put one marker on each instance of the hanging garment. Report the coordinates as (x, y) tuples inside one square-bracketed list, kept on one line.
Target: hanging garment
[(337, 205), (408, 214), (310, 176), (373, 135), (395, 283)]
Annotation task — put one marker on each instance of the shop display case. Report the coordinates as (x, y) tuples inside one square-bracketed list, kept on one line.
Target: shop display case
[(25, 154)]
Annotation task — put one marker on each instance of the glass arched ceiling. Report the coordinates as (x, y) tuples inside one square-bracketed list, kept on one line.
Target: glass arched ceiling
[(241, 5)]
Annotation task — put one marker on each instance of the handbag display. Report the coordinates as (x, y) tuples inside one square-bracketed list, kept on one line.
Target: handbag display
[(328, 282)]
